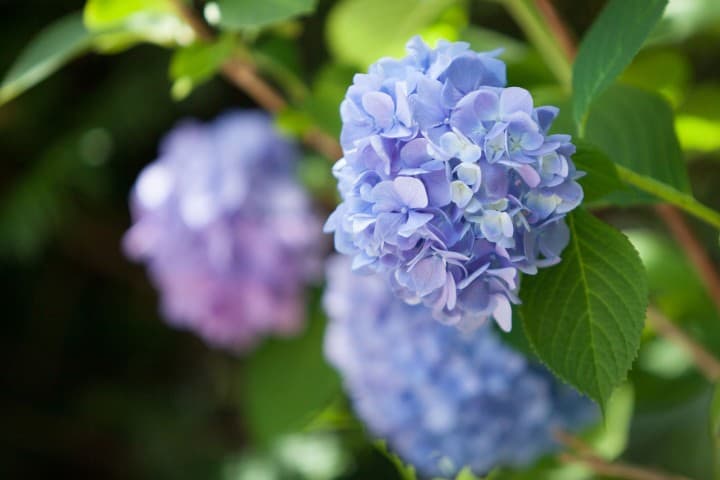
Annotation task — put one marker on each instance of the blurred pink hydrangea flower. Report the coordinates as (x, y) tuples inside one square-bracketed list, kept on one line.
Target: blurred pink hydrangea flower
[(226, 232)]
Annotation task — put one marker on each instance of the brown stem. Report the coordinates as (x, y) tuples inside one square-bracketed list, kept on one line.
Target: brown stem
[(186, 12), (584, 454), (617, 469), (562, 34), (693, 249), (705, 361), (243, 75)]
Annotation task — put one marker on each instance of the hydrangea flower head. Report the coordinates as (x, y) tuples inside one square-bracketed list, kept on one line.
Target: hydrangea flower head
[(450, 182), (227, 234), (443, 399)]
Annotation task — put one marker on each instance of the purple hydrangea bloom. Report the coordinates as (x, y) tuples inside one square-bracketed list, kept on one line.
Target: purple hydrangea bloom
[(443, 399), (226, 232), (450, 182)]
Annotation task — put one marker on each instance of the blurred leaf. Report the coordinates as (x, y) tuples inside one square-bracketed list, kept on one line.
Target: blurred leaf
[(698, 133), (54, 46), (123, 23), (635, 129), (483, 40), (328, 90), (39, 201), (698, 119), (609, 438), (406, 472), (601, 176), (466, 474), (359, 32), (674, 439), (198, 63), (286, 382), (683, 18), (524, 65), (609, 46), (584, 316), (666, 72), (237, 14)]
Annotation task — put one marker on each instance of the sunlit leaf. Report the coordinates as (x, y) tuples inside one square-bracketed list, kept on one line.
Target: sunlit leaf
[(197, 63), (359, 32)]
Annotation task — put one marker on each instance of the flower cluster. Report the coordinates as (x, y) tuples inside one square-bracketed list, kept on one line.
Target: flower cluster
[(450, 182), (443, 399), (227, 234)]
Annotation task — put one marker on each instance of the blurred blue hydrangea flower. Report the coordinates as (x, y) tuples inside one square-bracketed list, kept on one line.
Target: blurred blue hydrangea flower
[(227, 234), (450, 182), (442, 398)]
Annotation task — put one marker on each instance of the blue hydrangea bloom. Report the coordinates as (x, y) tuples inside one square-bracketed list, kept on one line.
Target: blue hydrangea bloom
[(442, 398), (228, 235), (450, 182)]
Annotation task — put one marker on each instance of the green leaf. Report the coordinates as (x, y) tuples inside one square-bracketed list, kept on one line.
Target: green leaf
[(406, 472), (123, 23), (635, 129), (610, 45), (359, 32), (286, 383), (584, 316), (237, 14), (601, 175), (193, 65), (609, 438), (57, 44), (466, 474)]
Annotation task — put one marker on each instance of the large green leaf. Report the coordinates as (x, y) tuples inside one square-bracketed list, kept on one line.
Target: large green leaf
[(49, 50), (601, 176), (287, 382), (235, 14), (584, 316), (609, 46), (361, 31), (635, 129)]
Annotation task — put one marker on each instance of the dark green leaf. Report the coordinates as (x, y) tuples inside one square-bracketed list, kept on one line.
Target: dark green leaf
[(609, 46), (601, 175), (406, 472), (49, 50), (193, 65), (584, 316), (286, 382), (635, 129), (361, 31), (236, 14)]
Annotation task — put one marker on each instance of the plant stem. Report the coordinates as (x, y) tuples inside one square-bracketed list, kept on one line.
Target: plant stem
[(584, 454), (662, 191), (527, 14), (243, 75)]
